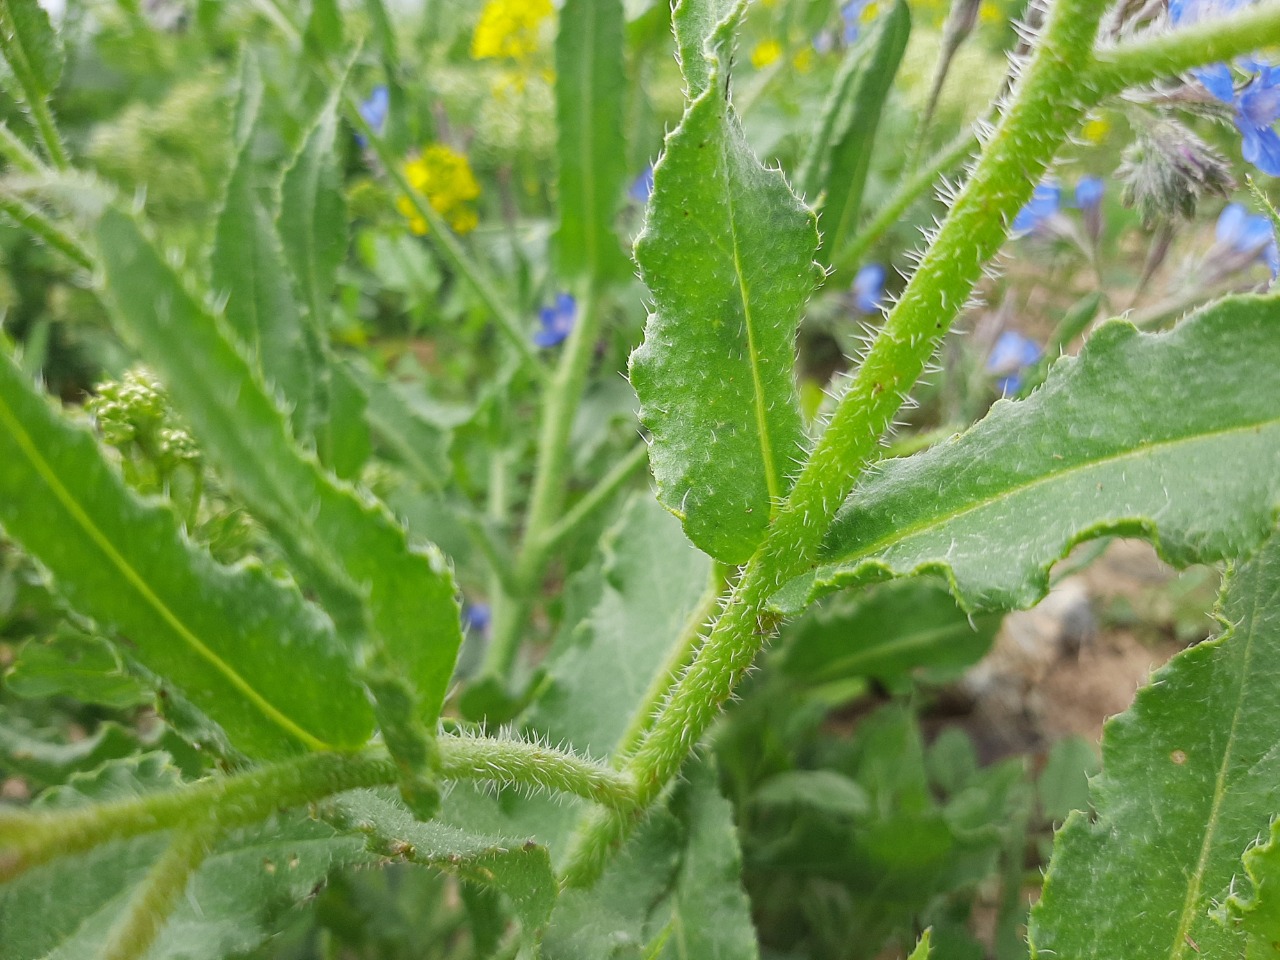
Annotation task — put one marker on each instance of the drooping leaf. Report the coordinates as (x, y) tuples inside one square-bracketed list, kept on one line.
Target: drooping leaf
[(1141, 435), (330, 530), (847, 134), (590, 113), (889, 632), (231, 638), (31, 47), (1188, 782), (248, 267), (521, 870), (727, 253)]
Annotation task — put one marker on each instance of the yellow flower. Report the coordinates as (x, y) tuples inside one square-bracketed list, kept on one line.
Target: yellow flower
[(1096, 129), (765, 53), (989, 12), (803, 61), (509, 28), (444, 177)]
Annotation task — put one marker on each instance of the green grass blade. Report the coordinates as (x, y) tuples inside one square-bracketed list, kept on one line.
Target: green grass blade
[(328, 528), (727, 253), (1189, 781), (591, 86), (243, 647), (1141, 435)]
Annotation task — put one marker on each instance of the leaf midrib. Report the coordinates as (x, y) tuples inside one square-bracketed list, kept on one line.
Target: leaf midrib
[(937, 520), (46, 472), (757, 384)]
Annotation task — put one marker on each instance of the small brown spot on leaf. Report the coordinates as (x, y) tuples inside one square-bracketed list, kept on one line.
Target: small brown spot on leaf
[(1179, 757)]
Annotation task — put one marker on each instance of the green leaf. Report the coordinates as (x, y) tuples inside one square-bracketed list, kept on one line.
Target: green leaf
[(31, 46), (923, 947), (65, 910), (1188, 782), (727, 253), (1258, 913), (1141, 435), (710, 916), (889, 632), (674, 892), (324, 31), (598, 677), (231, 638), (39, 758), (851, 117), (521, 870), (590, 113), (329, 530), (313, 215), (69, 663), (407, 425), (249, 268)]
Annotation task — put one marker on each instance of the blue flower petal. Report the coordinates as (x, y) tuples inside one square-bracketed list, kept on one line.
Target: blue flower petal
[(1217, 79), (1089, 192), (642, 186), (868, 288), (1042, 205)]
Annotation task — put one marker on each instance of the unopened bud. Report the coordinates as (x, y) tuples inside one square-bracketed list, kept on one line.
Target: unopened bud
[(1167, 170)]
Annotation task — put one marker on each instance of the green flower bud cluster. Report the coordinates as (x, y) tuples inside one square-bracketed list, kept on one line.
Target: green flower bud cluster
[(132, 414)]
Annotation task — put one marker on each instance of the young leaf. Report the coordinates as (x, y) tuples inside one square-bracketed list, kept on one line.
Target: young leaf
[(590, 111), (231, 638), (31, 47), (248, 267), (727, 252), (75, 664), (1188, 782), (327, 527), (522, 871), (839, 156), (1141, 435)]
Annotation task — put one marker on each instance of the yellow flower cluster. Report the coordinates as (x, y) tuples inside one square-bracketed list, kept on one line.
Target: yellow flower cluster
[(509, 28), (766, 53), (444, 177)]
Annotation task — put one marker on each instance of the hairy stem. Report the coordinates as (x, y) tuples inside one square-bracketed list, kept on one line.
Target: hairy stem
[(29, 838), (18, 153), (34, 220), (597, 496), (1048, 103)]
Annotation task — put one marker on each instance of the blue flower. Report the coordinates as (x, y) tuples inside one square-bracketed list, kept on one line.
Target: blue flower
[(642, 186), (868, 288), (1009, 359), (1089, 193), (852, 13), (374, 112), (557, 321), (1248, 235), (476, 616), (1043, 205), (1256, 104)]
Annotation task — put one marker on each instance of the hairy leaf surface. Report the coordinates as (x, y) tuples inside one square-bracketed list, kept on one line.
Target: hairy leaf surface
[(1141, 435), (1257, 912), (590, 112), (727, 253), (1188, 782), (332, 532), (231, 638)]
